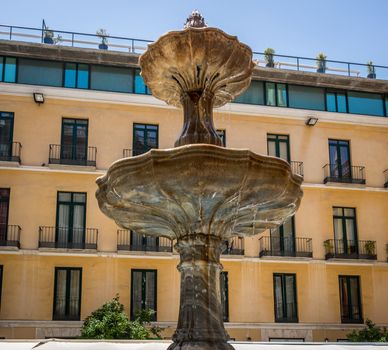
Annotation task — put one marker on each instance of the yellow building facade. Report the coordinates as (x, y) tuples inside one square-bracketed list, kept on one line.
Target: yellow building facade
[(317, 277)]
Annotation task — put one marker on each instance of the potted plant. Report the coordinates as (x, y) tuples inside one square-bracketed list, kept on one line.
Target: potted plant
[(328, 246), (370, 247), (48, 36), (268, 56), (321, 63), (104, 39), (371, 70)]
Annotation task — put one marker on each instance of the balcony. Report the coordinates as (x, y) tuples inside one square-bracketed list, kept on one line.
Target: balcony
[(234, 246), (344, 174), (385, 172), (127, 242), (67, 238), (72, 155), (297, 167), (350, 249), (274, 246), (10, 235), (10, 152)]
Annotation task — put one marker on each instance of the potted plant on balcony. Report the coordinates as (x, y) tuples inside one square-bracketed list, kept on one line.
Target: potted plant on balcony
[(371, 70), (101, 33), (48, 36), (328, 246), (321, 62), (268, 56), (370, 247)]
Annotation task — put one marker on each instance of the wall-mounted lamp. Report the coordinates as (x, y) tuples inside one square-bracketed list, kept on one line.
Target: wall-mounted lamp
[(38, 98), (311, 121)]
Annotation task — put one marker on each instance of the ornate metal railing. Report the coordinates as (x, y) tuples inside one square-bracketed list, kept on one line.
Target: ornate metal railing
[(10, 152), (146, 244), (72, 155), (350, 249), (10, 235), (297, 167), (234, 246), (344, 174), (67, 237), (292, 247)]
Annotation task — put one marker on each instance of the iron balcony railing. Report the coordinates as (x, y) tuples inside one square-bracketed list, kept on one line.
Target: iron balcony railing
[(386, 178), (350, 249), (344, 174), (234, 246), (10, 152), (67, 237), (291, 247), (297, 167), (138, 46), (72, 155), (351, 314), (142, 243), (10, 235)]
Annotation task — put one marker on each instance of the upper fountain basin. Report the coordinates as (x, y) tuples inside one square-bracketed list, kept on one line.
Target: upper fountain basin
[(197, 59), (199, 189)]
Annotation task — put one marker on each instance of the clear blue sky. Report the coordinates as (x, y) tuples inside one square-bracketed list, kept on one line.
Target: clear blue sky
[(349, 30)]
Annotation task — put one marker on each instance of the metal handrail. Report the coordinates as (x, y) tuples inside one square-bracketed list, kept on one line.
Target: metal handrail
[(344, 173), (124, 243), (59, 237), (10, 151), (297, 167), (292, 247), (72, 155), (10, 235), (340, 248)]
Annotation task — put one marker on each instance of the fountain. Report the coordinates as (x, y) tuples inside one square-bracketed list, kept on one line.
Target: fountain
[(199, 193)]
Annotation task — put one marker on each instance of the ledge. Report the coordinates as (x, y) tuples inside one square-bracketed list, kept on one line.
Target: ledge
[(67, 167)]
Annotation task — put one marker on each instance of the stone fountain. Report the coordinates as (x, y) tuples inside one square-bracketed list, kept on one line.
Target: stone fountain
[(199, 193)]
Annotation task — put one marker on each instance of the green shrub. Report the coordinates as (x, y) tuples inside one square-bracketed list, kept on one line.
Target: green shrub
[(370, 333)]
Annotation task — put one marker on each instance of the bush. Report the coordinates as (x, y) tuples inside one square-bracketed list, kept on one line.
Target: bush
[(111, 322), (370, 333)]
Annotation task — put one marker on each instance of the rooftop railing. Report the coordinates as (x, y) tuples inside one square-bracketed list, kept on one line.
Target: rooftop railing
[(138, 46)]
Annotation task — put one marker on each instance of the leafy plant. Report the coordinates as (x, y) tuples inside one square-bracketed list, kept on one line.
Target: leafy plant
[(102, 33), (321, 62), (328, 246), (111, 322), (370, 333), (370, 247), (48, 33), (268, 56)]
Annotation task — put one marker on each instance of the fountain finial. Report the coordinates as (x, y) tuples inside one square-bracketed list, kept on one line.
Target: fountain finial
[(195, 20)]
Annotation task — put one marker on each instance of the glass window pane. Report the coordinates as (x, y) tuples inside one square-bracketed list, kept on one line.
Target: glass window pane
[(330, 102), (60, 300), (350, 231), (253, 95), (282, 95), (306, 97), (136, 299), (64, 196), (39, 72), (75, 279), (150, 292), (338, 211), (79, 197), (349, 212), (270, 94), (278, 298), (271, 148), (111, 79), (1, 67), (83, 76), (386, 106), (341, 103), (283, 151), (10, 70), (140, 87), (365, 103), (70, 75), (338, 231)]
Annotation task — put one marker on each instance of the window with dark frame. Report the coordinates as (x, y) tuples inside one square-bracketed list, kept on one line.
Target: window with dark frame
[(4, 212), (345, 230), (71, 219), (276, 94), (139, 86), (283, 239), (222, 134), (224, 289), (74, 141), (285, 302), (339, 156), (67, 294), (336, 101), (143, 291), (6, 135), (8, 69), (76, 75), (350, 299), (278, 146), (145, 137)]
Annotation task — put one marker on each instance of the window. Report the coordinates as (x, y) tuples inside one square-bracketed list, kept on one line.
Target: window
[(144, 242), (4, 211), (39, 72), (350, 299), (345, 230), (278, 146), (339, 154), (76, 76), (67, 294), (6, 135), (140, 87), (285, 297), (276, 94), (116, 79), (386, 106), (7, 69), (365, 103), (74, 141), (283, 239), (306, 97), (336, 101), (143, 291), (145, 137), (222, 135), (71, 217), (253, 95), (224, 288)]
